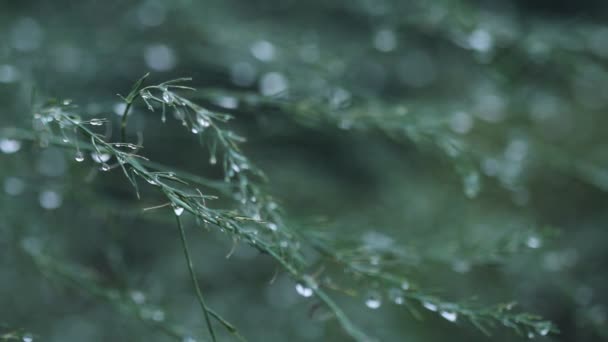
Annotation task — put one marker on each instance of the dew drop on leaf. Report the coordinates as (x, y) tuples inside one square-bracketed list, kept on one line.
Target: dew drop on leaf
[(96, 122), (373, 301), (450, 316), (167, 97), (204, 122), (178, 210), (303, 290), (100, 157), (544, 331), (430, 306)]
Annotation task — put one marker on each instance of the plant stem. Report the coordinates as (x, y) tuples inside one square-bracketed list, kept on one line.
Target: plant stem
[(133, 94), (123, 124), (199, 294)]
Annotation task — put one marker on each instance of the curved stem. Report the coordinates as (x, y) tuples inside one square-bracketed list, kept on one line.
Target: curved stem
[(123, 124), (133, 94), (199, 294)]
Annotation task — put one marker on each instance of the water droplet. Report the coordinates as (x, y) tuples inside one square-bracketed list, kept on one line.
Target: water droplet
[(430, 306), (168, 97), (8, 73), (178, 210), (396, 296), (27, 338), (79, 156), (96, 122), (235, 168), (146, 95), (273, 83), (531, 335), (480, 40), (472, 184), (263, 50), (100, 157), (9, 146), (67, 102), (227, 102), (138, 297), (373, 300), (303, 290), (188, 339), (461, 122), (272, 226), (450, 316), (534, 242), (105, 167), (194, 130), (160, 57), (119, 108), (385, 40), (203, 121), (14, 186), (405, 285), (50, 200), (340, 98), (212, 160), (127, 145), (544, 330), (158, 315)]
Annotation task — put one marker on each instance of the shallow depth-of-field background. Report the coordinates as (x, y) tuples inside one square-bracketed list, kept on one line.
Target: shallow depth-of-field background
[(457, 146)]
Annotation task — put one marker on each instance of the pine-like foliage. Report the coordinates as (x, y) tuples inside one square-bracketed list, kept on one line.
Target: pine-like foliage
[(351, 170)]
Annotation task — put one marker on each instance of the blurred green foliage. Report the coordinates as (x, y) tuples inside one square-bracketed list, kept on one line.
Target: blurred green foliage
[(455, 145)]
